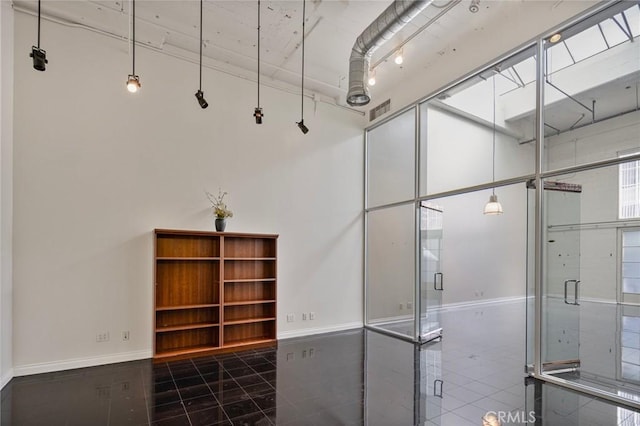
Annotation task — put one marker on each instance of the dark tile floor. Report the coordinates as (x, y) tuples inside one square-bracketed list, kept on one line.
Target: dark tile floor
[(356, 377)]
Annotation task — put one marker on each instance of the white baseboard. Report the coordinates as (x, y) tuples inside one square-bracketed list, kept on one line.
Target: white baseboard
[(388, 320), (597, 300), (474, 303), (68, 364), (6, 378), (558, 296), (320, 330), (451, 306)]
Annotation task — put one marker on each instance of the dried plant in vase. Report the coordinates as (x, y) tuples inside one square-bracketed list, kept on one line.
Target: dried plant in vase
[(220, 210)]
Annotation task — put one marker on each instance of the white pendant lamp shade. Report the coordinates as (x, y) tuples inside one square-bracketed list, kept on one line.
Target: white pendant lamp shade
[(493, 207), (133, 81)]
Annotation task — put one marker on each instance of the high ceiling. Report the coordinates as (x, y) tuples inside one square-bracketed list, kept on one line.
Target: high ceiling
[(230, 35)]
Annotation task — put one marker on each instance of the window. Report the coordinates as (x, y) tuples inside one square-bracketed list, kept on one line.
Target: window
[(631, 262), (629, 189)]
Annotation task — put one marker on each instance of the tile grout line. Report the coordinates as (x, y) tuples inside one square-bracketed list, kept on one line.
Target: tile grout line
[(211, 390), (147, 401), (179, 394)]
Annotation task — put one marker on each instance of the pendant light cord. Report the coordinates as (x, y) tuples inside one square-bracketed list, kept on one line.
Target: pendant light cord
[(200, 83), (493, 163), (38, 24), (133, 44), (258, 53), (302, 80)]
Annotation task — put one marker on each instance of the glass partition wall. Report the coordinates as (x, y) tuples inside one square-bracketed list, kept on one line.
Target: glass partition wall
[(551, 132)]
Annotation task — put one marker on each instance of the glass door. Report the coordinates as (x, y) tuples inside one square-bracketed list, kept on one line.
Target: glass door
[(431, 276), (589, 338), (561, 286)]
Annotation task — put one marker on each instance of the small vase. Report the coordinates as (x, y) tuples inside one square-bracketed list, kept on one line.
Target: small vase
[(221, 223)]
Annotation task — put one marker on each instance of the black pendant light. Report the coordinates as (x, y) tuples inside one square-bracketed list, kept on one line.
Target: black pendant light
[(200, 94), (39, 56), (300, 124), (133, 81), (257, 112)]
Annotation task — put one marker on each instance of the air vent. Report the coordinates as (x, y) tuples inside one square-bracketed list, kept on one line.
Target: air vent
[(379, 110)]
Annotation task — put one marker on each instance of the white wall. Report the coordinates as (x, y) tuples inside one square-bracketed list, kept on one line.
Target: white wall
[(6, 190), (97, 169)]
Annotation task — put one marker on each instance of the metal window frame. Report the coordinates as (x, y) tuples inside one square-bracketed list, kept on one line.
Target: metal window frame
[(587, 19)]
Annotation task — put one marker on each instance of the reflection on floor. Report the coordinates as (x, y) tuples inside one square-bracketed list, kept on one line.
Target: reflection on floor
[(350, 378)]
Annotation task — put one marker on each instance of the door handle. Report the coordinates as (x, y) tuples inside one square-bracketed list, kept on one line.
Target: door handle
[(435, 387), (575, 292), (435, 281)]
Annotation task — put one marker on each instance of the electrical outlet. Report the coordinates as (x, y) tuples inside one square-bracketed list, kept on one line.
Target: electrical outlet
[(409, 305), (312, 315), (102, 337), (290, 317), (401, 306), (103, 392), (125, 336), (304, 316)]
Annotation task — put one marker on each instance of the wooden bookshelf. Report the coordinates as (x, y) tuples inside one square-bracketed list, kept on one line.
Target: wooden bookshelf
[(214, 291)]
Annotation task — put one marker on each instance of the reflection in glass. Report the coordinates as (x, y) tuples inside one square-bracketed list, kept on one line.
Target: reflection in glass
[(591, 80), (457, 128), (590, 257)]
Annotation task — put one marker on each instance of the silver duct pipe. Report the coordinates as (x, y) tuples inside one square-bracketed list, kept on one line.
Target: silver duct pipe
[(392, 20)]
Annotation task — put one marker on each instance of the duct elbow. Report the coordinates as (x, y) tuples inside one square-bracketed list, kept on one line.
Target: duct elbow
[(358, 94), (358, 99), (394, 17)]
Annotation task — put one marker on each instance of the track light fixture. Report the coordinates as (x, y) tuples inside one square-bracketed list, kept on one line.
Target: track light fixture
[(300, 123), (372, 78), (399, 59), (302, 127), (201, 100), (200, 94), (39, 56), (257, 112), (133, 81)]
